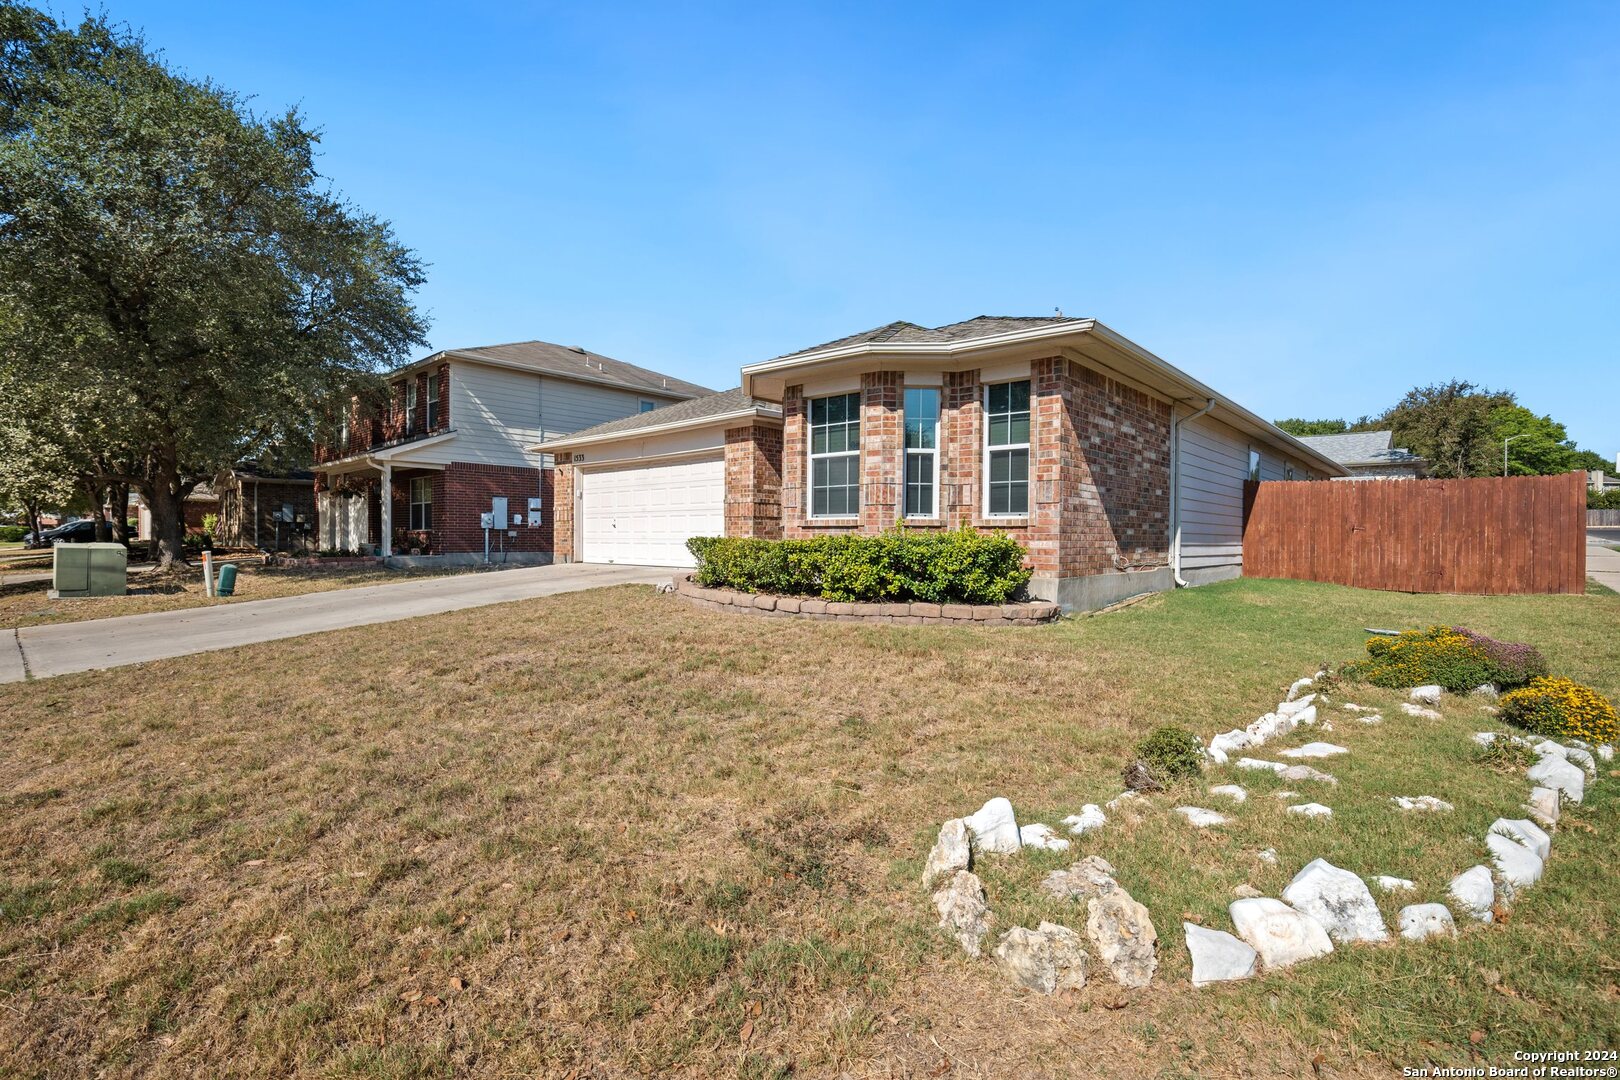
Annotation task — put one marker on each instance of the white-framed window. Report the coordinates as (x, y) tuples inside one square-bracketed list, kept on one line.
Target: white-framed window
[(835, 456), (1254, 464), (421, 503), (410, 404), (922, 451), (647, 406), (1006, 449), (432, 401)]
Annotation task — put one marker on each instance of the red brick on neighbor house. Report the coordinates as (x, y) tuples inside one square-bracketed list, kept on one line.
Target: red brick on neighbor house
[(562, 509), (754, 481), (1099, 467)]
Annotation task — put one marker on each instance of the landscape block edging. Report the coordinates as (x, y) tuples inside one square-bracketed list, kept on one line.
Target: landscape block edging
[(913, 614)]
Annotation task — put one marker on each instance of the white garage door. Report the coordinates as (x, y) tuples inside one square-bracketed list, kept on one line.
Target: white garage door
[(645, 514)]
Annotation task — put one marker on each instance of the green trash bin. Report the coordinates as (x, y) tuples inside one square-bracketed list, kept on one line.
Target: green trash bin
[(227, 580)]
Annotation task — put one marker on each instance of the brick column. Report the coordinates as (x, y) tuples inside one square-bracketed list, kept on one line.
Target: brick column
[(795, 432), (562, 509), (961, 414), (754, 481), (882, 450), (1053, 448)]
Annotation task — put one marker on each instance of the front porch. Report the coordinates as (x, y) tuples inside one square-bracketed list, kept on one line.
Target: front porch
[(378, 508)]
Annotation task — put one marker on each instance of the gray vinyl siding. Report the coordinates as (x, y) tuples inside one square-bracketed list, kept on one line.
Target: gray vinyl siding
[(1214, 463), (498, 412)]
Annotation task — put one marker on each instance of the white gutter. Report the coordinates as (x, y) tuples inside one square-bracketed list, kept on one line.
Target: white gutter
[(1175, 487), (569, 442)]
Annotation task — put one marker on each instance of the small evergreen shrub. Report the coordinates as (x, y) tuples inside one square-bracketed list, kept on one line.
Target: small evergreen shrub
[(11, 534), (1448, 656), (960, 567), (1171, 753), (1560, 708)]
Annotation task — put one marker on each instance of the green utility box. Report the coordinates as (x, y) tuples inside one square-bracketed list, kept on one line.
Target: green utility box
[(89, 570)]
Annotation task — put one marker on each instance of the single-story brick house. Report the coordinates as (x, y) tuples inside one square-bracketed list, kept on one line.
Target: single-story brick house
[(1119, 472), (454, 433)]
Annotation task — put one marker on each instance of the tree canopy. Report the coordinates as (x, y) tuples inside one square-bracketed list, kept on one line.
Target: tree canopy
[(1459, 426), (173, 264)]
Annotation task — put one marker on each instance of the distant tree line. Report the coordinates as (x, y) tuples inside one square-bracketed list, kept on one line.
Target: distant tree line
[(179, 288), (1458, 427)]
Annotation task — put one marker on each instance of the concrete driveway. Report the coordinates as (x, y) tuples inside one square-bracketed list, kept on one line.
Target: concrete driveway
[(1602, 561), (43, 651)]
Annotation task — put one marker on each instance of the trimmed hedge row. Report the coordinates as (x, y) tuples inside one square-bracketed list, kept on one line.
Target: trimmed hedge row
[(961, 567)]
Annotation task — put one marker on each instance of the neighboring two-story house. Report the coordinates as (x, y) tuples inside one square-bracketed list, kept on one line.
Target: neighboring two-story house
[(412, 477), (1119, 472)]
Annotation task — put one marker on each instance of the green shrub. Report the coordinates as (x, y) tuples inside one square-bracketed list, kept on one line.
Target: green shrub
[(1603, 500), (11, 534), (1170, 753), (961, 567), (1448, 656), (1561, 708)]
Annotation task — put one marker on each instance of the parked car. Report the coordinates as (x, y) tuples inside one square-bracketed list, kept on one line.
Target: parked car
[(82, 531)]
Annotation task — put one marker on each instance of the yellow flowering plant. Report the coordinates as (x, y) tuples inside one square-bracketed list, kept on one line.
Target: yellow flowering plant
[(1561, 708)]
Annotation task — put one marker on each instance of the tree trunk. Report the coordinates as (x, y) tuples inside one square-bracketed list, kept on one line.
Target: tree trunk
[(120, 504), (32, 510), (165, 499), (96, 492)]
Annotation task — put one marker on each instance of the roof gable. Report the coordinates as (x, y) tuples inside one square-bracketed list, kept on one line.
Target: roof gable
[(572, 362)]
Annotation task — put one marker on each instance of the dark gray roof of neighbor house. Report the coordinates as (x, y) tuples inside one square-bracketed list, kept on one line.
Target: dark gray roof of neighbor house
[(568, 361), (727, 401), (1361, 448), (967, 330)]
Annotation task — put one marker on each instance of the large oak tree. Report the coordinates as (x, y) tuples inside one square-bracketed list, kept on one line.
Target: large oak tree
[(174, 263)]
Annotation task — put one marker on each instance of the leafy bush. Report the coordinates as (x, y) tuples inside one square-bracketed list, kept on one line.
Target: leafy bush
[(961, 567), (1603, 500), (1170, 752), (11, 534), (1561, 708), (1448, 656)]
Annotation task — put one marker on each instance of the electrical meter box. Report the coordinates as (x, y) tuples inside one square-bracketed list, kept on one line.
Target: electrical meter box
[(497, 512), (89, 570)]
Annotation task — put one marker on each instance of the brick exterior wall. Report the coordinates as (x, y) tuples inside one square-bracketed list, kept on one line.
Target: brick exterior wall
[(754, 481), (562, 509), (1099, 467), (466, 491)]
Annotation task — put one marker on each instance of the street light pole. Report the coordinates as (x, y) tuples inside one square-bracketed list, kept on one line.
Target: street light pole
[(1505, 442)]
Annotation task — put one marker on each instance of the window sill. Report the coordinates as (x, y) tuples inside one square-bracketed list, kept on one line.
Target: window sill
[(1002, 522), (836, 521)]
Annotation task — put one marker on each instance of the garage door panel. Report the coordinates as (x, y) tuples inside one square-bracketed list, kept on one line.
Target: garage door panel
[(645, 514)]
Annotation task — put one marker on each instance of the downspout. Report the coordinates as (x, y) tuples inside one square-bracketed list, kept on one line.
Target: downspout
[(1175, 489)]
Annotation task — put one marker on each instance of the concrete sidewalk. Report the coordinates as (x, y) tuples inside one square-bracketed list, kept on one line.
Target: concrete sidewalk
[(1602, 564), (43, 651)]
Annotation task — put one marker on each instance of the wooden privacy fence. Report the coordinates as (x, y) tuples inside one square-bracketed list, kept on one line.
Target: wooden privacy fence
[(1602, 518), (1517, 534)]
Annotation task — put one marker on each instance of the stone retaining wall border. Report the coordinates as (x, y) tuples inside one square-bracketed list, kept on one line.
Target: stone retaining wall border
[(911, 614)]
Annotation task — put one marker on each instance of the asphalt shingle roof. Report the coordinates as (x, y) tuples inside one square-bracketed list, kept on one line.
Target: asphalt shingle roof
[(566, 361), (727, 401), (1360, 448), (967, 330)]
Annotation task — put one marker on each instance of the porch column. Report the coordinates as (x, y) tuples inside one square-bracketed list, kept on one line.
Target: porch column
[(386, 541)]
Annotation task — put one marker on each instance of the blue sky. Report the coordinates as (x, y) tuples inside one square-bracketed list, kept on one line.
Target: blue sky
[(1310, 207)]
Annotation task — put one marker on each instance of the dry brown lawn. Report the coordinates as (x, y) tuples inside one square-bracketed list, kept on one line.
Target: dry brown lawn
[(26, 603), (604, 834)]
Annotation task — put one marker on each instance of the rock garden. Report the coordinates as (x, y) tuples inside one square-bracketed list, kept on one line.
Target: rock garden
[(1359, 813)]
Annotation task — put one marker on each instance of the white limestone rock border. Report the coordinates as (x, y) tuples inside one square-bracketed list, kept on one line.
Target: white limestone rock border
[(1201, 818), (951, 852), (1230, 791), (1041, 838), (1418, 922), (1474, 892), (1421, 803), (1218, 956), (1314, 750), (1339, 900), (1047, 959), (1089, 819), (1280, 935), (1311, 810), (995, 829)]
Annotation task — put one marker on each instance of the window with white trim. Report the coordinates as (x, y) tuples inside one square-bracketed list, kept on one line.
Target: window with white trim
[(1254, 464), (1006, 449), (421, 503), (410, 404), (835, 456), (922, 451), (647, 406), (432, 401)]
